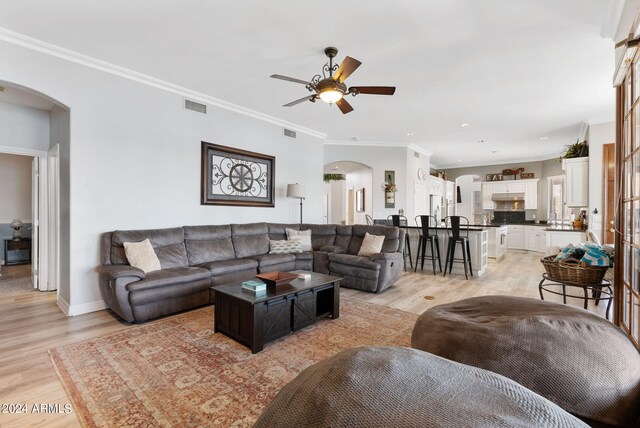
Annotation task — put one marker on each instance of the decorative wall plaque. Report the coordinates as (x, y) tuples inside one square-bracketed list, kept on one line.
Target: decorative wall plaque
[(524, 175), (493, 177), (231, 176)]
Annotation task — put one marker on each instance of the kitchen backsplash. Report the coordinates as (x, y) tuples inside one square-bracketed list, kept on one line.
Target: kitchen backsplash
[(508, 217)]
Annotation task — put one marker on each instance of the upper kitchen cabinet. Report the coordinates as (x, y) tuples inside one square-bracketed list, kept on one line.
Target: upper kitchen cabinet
[(577, 181), (531, 194), (436, 186), (508, 187)]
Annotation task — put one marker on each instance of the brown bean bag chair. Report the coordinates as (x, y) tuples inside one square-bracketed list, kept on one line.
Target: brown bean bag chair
[(403, 387), (576, 359)]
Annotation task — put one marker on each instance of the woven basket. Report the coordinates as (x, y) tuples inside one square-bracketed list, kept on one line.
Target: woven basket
[(570, 270)]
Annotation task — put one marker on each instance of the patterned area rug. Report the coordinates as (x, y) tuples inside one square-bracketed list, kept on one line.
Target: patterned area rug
[(176, 372)]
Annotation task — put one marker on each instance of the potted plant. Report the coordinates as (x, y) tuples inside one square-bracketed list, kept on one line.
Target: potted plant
[(577, 150)]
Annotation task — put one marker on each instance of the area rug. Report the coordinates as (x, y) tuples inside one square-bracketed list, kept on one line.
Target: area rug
[(176, 372)]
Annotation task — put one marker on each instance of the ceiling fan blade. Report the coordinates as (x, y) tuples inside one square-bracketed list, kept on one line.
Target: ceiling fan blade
[(344, 106), (289, 79), (347, 67), (374, 90), (301, 100)]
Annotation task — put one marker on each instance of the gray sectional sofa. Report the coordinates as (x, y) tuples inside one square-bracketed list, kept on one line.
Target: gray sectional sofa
[(193, 258)]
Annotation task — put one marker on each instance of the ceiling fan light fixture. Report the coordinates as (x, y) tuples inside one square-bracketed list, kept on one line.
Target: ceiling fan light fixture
[(331, 95)]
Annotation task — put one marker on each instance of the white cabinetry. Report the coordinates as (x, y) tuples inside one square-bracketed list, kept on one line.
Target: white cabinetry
[(487, 192), (559, 238), (435, 186), (508, 187), (535, 238), (515, 237), (450, 191), (528, 187), (497, 242), (531, 195), (577, 185)]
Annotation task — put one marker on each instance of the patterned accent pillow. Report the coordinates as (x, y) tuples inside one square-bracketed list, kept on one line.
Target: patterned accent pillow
[(284, 247), (371, 244), (304, 236), (141, 255)]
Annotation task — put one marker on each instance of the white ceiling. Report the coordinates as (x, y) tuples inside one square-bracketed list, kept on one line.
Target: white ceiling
[(516, 71)]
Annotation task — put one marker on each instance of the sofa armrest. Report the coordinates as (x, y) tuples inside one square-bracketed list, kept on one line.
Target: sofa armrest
[(332, 249), (111, 272), (386, 256)]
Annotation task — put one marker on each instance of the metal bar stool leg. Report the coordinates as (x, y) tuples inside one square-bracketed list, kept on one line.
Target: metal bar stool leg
[(446, 260), (418, 253), (469, 257), (433, 256), (409, 249), (437, 244), (464, 259)]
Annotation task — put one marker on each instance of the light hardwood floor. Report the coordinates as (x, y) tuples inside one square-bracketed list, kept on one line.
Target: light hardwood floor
[(31, 324)]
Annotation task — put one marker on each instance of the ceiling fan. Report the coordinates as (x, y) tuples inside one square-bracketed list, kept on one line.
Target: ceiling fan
[(331, 89)]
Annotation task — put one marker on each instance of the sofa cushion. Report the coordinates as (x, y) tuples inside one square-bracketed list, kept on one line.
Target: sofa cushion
[(167, 243), (401, 387), (578, 360), (141, 255), (250, 239), (208, 243), (160, 278), (371, 244), (302, 236), (222, 267), (277, 230), (321, 234), (273, 259), (304, 255), (343, 236)]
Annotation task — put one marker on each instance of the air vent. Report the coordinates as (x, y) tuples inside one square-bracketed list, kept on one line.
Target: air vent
[(416, 154), (194, 106), (289, 133)]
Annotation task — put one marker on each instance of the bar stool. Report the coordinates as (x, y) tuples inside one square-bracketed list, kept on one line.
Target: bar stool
[(401, 221), (426, 223), (453, 224)]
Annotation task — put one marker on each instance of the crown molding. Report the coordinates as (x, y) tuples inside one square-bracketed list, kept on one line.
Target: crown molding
[(369, 143), (541, 158), (27, 42), (612, 18)]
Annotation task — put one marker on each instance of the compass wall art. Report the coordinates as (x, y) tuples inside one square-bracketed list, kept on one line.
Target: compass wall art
[(233, 176)]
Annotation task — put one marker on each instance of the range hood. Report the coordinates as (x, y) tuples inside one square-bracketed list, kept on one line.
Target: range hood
[(507, 197)]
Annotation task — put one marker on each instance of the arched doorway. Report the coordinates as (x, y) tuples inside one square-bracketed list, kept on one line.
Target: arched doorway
[(37, 128), (348, 192)]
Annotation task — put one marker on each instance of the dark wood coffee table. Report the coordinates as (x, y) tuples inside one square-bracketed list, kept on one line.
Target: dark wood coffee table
[(254, 320)]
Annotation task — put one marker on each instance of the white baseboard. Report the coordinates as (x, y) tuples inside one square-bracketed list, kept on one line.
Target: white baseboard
[(63, 305), (83, 308)]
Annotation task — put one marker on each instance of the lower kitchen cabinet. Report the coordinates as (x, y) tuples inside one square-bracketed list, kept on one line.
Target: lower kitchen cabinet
[(515, 237), (497, 242), (535, 238)]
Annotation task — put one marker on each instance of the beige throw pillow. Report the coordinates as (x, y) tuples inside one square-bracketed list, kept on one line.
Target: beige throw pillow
[(141, 255), (304, 236), (371, 244)]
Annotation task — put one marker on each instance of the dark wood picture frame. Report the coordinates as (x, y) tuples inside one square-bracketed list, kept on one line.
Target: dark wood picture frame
[(231, 176)]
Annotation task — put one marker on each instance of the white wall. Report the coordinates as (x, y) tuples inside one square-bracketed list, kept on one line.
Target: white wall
[(414, 163), (599, 135), (135, 158), (23, 127), (380, 159), (15, 188)]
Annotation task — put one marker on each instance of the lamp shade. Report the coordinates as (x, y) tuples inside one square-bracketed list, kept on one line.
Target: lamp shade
[(295, 191)]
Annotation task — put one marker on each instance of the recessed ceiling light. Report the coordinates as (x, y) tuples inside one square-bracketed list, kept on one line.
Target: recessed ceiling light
[(459, 160), (544, 138), (464, 125), (494, 151), (409, 134), (481, 141)]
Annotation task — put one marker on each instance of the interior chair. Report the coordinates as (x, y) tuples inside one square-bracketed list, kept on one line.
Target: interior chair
[(369, 219), (458, 231), (428, 234), (402, 222)]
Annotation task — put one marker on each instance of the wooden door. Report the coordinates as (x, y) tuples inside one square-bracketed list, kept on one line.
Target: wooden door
[(608, 193)]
